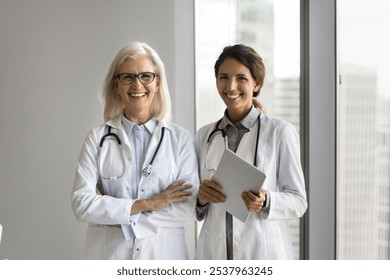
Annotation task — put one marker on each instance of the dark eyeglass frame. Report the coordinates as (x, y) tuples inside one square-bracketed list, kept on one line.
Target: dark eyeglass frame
[(121, 76)]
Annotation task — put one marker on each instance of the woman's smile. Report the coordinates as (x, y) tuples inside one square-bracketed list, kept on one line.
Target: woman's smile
[(137, 94), (232, 96)]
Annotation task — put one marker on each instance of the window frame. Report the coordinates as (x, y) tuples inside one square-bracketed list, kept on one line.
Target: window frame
[(318, 123)]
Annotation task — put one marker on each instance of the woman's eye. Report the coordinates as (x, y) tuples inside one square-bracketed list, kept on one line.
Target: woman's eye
[(128, 77), (223, 78)]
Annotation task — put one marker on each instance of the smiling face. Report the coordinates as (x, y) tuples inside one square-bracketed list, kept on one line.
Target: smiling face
[(236, 85), (137, 97)]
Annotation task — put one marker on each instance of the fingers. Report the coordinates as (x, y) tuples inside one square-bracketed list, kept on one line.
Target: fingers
[(262, 192), (98, 192), (177, 192), (176, 183), (210, 192), (254, 196), (174, 193), (253, 201), (177, 188)]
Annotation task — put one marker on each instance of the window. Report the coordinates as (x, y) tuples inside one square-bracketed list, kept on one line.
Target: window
[(363, 130)]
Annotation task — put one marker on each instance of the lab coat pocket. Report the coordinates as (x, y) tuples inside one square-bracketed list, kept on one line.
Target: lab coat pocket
[(276, 234), (106, 242), (174, 244), (95, 242)]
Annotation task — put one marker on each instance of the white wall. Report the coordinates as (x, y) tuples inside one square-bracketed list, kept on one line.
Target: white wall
[(53, 58)]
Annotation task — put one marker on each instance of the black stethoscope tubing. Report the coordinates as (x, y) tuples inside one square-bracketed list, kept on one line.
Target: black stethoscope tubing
[(148, 169), (158, 146), (223, 131), (108, 135)]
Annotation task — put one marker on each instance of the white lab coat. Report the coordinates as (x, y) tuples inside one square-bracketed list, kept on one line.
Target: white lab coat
[(266, 234), (158, 234)]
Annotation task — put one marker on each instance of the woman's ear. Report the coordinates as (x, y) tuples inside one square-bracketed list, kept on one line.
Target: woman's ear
[(116, 86), (257, 88), (158, 84), (158, 80)]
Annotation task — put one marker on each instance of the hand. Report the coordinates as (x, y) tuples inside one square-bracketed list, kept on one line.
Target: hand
[(254, 201), (176, 192), (210, 192), (97, 191)]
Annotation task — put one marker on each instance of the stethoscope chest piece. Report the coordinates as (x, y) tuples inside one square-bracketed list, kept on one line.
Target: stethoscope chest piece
[(147, 170)]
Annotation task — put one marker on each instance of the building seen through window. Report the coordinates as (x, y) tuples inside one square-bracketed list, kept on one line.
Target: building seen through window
[(363, 141)]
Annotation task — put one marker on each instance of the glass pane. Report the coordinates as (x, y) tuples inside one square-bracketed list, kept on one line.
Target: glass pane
[(272, 29), (363, 144)]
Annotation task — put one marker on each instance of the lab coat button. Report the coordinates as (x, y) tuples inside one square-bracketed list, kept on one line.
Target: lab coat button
[(142, 190), (237, 238)]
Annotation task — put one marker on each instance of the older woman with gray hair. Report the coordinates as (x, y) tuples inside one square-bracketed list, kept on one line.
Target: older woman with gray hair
[(136, 178)]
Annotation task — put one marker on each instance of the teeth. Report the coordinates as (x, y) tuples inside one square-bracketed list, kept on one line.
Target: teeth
[(137, 94), (232, 96)]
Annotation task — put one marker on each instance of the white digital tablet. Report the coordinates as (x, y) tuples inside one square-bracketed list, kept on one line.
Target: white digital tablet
[(235, 175)]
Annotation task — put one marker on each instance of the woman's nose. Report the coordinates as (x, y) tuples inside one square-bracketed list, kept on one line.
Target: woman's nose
[(231, 85), (137, 83)]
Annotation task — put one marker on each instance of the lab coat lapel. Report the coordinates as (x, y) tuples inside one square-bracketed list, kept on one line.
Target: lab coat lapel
[(154, 140), (117, 124), (247, 146)]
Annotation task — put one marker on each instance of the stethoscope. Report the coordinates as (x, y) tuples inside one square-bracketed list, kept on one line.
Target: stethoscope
[(146, 171), (223, 133)]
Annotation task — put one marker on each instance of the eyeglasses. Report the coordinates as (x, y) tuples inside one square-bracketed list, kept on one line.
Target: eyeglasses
[(129, 78)]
